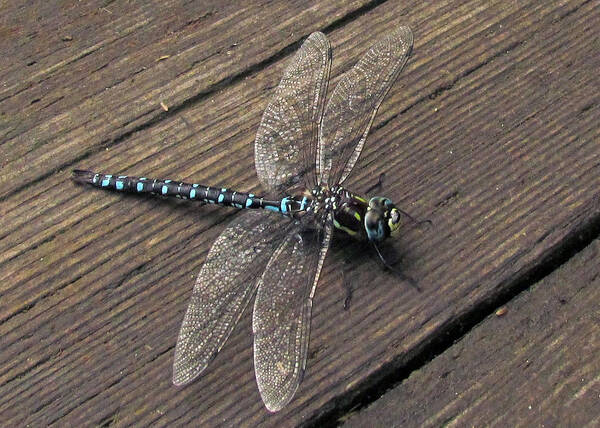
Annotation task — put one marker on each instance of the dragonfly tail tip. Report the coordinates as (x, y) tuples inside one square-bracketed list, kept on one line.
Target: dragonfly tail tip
[(82, 176)]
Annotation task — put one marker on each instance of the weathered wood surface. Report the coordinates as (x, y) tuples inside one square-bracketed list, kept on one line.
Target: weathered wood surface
[(491, 132), (96, 74), (536, 365)]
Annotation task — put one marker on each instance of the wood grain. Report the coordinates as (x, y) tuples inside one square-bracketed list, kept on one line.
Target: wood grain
[(97, 74), (491, 132), (536, 365)]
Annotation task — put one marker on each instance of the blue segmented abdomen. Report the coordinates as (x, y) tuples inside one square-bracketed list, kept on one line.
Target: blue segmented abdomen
[(197, 192)]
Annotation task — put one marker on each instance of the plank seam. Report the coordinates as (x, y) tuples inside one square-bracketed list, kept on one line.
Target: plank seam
[(394, 372)]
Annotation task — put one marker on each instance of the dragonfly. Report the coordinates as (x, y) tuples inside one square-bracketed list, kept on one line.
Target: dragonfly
[(304, 151)]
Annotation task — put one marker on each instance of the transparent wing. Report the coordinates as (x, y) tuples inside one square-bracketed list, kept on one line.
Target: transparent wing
[(282, 310), (286, 141), (225, 285), (354, 103)]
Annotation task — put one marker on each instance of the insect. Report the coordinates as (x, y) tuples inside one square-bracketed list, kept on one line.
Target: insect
[(304, 152)]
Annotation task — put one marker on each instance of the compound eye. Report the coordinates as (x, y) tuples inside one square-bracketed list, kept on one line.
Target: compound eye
[(375, 226)]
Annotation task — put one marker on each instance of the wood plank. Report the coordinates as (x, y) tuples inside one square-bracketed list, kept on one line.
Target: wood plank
[(491, 133), (97, 74), (536, 365)]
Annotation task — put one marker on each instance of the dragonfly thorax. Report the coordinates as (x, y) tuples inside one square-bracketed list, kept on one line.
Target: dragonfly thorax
[(374, 220), (348, 208), (323, 200)]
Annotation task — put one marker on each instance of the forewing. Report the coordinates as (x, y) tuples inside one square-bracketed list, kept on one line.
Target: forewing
[(282, 310), (286, 141), (226, 283), (354, 103)]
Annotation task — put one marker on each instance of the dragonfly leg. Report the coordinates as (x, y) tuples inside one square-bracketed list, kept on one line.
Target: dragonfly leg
[(348, 298), (349, 291), (414, 220), (345, 274), (400, 274), (377, 185)]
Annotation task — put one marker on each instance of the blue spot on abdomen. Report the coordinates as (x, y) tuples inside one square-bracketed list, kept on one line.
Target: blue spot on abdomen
[(284, 203)]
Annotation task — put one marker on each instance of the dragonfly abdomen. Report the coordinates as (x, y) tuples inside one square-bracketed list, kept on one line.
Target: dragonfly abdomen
[(178, 189)]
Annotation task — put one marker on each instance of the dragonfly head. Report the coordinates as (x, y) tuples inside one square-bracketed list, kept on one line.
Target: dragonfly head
[(382, 218)]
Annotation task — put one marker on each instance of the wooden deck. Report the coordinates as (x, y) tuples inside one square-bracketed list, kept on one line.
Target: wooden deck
[(491, 132), (534, 362)]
